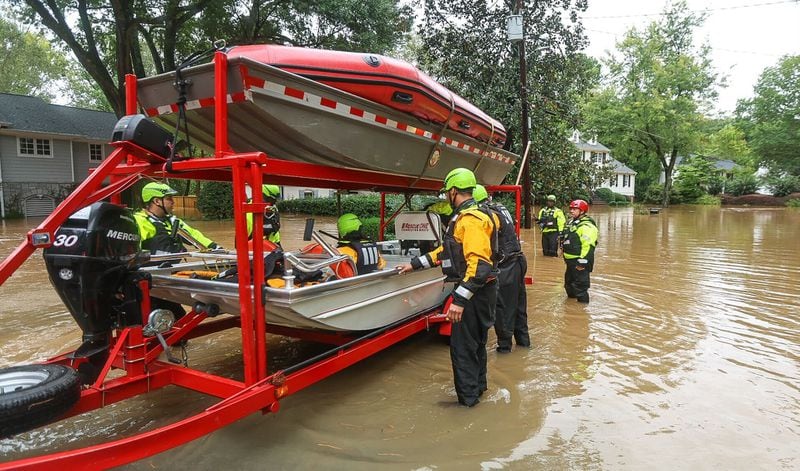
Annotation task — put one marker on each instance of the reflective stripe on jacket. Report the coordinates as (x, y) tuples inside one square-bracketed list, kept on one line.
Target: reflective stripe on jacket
[(552, 219)]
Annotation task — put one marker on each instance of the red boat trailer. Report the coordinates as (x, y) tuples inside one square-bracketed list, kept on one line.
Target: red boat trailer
[(137, 355)]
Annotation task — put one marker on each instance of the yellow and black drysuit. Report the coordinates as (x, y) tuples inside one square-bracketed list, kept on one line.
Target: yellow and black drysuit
[(271, 226), (511, 317), (552, 221), (580, 240), (162, 236), (363, 251), (467, 258)]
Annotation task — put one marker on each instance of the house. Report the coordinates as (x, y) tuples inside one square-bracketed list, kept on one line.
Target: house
[(45, 151), (623, 181), (723, 167)]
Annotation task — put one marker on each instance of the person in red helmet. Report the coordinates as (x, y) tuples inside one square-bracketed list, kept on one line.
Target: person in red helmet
[(579, 242)]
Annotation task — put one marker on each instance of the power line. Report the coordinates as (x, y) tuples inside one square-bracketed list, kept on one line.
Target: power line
[(734, 7)]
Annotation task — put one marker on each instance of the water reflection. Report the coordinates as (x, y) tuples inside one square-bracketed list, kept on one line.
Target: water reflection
[(689, 353)]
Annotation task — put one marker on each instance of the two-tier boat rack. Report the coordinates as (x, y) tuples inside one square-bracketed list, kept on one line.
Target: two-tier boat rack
[(138, 356)]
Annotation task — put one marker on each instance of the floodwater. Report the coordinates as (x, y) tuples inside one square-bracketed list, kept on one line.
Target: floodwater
[(687, 357)]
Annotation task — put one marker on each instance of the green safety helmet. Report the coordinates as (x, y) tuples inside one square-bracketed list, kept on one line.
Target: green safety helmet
[(461, 178), (347, 223), (551, 197), (440, 207), (156, 190), (480, 193), (271, 191)]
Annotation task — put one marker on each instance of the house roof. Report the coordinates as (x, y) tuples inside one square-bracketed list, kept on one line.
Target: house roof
[(619, 167), (29, 113), (725, 164), (584, 145)]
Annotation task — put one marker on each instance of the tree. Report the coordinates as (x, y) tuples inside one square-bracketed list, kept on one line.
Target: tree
[(113, 38), (463, 44), (772, 117), (650, 110), (29, 64), (696, 178), (729, 142)]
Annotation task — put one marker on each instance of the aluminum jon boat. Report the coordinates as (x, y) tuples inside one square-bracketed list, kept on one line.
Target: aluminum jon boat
[(360, 303), (291, 117)]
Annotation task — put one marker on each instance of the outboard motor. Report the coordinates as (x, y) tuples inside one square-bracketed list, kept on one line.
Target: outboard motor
[(90, 265)]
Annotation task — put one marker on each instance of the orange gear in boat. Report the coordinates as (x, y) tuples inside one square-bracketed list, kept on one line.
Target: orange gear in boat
[(341, 269), (268, 245)]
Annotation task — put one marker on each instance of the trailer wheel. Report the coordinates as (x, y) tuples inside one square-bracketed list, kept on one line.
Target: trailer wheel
[(34, 395)]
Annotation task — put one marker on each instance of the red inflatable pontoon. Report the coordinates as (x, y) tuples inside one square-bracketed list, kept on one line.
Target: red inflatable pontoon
[(390, 82)]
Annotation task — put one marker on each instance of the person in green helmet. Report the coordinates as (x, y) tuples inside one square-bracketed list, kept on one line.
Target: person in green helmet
[(272, 219), (364, 252), (161, 231), (511, 315), (552, 221), (466, 257)]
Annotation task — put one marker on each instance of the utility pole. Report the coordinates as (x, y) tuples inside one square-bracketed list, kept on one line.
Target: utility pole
[(523, 97)]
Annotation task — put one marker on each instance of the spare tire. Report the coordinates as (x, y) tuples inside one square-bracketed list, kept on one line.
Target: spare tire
[(34, 395)]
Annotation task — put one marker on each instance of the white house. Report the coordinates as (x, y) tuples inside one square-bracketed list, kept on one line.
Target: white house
[(624, 179)]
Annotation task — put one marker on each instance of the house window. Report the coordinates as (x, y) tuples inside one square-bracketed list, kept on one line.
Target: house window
[(597, 157), (614, 181), (626, 180), (30, 147), (306, 194), (95, 152)]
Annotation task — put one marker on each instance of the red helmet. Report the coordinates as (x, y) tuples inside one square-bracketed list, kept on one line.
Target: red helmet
[(580, 204)]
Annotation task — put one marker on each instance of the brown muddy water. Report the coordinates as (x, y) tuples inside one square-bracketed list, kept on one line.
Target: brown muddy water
[(688, 357)]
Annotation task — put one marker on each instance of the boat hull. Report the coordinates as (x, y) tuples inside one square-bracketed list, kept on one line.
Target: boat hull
[(291, 117), (361, 303)]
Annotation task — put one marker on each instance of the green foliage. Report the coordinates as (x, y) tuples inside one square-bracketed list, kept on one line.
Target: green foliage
[(29, 64), (641, 208), (708, 200), (158, 34), (770, 118), (653, 194), (215, 200), (605, 194), (650, 110), (696, 178), (370, 226), (742, 183), (783, 185), (463, 44), (793, 203), (729, 142)]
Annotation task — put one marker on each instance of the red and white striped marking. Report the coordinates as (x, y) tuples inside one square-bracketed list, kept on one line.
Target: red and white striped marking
[(327, 104)]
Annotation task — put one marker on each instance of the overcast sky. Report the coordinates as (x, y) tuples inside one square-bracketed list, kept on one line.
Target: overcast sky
[(745, 35)]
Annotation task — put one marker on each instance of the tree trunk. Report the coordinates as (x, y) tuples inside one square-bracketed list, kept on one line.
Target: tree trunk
[(668, 168)]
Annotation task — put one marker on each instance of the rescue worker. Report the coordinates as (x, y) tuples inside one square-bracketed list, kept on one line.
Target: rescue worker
[(364, 252), (467, 258), (551, 220), (161, 231), (579, 242), (511, 315), (272, 219)]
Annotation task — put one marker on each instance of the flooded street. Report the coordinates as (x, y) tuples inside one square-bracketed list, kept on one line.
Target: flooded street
[(687, 357)]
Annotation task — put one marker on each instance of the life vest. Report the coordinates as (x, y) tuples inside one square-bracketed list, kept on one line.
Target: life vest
[(368, 256), (547, 219), (453, 262), (573, 244), (507, 241), (271, 225), (166, 239)]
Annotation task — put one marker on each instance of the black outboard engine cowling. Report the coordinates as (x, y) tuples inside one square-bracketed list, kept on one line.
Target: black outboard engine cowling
[(92, 257)]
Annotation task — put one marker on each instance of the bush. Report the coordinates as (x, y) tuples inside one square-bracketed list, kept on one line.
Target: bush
[(370, 226), (793, 203), (742, 184), (605, 194), (708, 200), (653, 194), (783, 185), (215, 200)]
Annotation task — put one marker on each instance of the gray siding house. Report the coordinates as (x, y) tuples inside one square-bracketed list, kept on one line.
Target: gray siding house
[(45, 151)]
